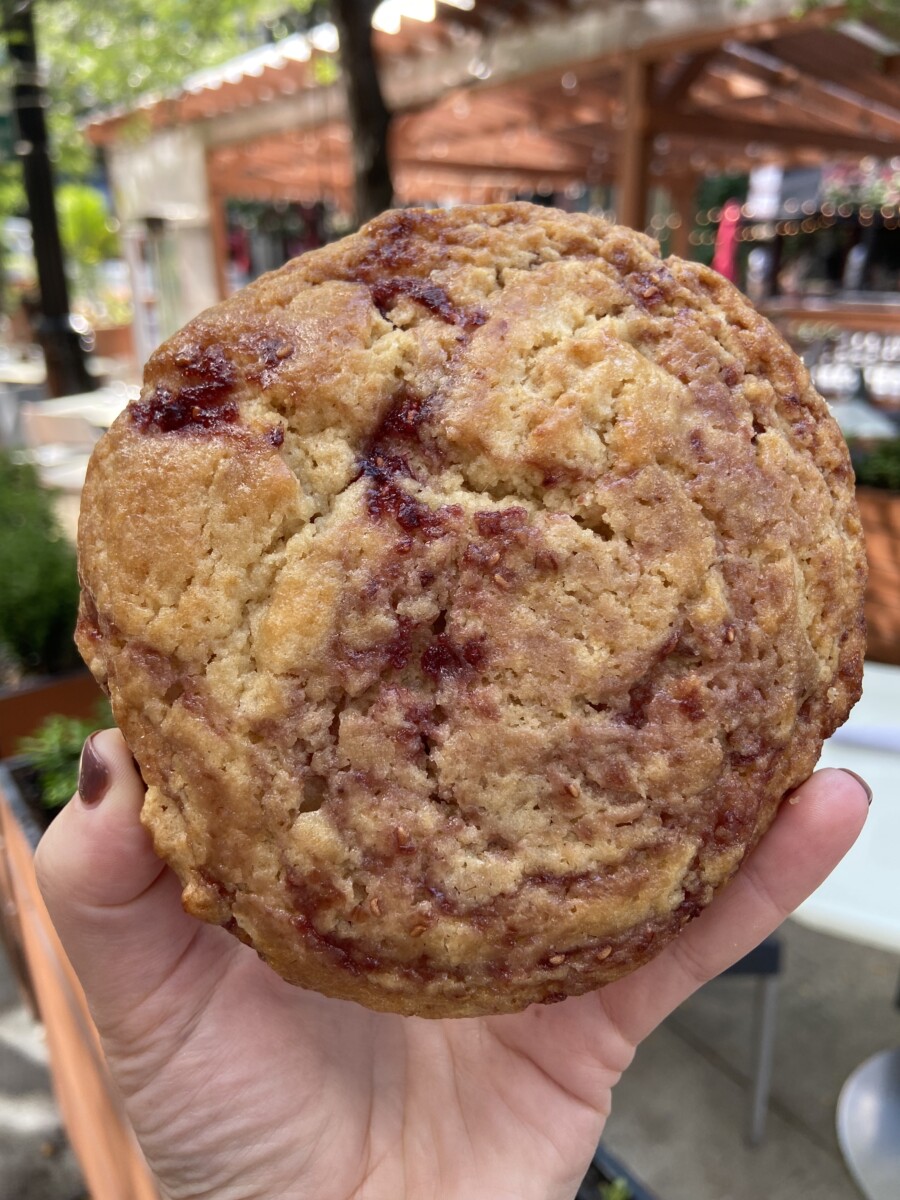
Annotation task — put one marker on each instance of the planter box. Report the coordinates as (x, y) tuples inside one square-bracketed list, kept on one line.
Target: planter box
[(116, 341), (104, 1143), (880, 513), (18, 782), (23, 708), (607, 1170)]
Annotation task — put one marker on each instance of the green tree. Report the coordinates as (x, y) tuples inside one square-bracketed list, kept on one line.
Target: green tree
[(106, 53), (103, 54), (87, 231)]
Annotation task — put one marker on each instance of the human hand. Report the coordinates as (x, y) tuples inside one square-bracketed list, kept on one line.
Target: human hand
[(241, 1087)]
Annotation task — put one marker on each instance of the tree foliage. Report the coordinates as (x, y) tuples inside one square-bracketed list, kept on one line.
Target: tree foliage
[(103, 54), (85, 224), (54, 751)]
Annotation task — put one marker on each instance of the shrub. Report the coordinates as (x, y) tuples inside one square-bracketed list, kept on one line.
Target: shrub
[(880, 467), (55, 750), (39, 593)]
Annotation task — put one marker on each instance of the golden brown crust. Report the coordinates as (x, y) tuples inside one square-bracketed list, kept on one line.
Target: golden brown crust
[(470, 592)]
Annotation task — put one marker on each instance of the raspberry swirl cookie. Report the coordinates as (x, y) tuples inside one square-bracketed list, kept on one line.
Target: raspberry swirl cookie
[(471, 592)]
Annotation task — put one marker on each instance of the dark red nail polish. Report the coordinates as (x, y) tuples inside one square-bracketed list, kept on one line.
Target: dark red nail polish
[(93, 776), (859, 779)]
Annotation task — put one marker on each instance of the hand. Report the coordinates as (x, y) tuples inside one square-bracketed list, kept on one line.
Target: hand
[(242, 1087)]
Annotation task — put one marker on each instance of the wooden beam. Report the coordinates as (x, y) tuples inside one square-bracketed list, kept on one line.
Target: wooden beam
[(840, 63), (678, 89), (723, 129), (764, 67), (775, 110), (442, 166), (806, 98), (219, 229), (656, 49), (683, 194), (822, 84), (634, 155), (742, 31)]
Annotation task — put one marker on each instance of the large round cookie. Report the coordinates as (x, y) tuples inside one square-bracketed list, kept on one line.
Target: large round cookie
[(471, 592)]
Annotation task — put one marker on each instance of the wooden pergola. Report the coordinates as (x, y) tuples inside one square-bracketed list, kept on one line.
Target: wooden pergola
[(520, 96)]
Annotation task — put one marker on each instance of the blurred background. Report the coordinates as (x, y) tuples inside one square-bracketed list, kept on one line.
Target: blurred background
[(157, 155)]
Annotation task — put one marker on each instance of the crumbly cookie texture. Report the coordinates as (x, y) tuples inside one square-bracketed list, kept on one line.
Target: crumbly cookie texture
[(471, 591)]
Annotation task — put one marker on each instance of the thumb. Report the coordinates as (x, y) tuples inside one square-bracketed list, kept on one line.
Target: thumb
[(115, 906)]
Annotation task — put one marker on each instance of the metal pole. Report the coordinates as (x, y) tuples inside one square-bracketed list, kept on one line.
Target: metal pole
[(66, 368), (766, 1009)]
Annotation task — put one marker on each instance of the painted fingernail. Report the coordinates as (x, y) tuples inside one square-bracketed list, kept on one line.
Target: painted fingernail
[(93, 775), (859, 779)]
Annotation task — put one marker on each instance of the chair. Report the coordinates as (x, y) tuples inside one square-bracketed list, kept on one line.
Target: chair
[(765, 963), (868, 1125)]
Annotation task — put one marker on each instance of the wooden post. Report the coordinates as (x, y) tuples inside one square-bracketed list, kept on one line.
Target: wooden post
[(683, 191), (634, 157), (219, 230)]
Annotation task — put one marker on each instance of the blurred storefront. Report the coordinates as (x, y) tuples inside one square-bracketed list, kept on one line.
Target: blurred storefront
[(608, 106)]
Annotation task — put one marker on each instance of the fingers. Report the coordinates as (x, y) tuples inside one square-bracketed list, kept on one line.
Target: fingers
[(116, 907), (811, 835)]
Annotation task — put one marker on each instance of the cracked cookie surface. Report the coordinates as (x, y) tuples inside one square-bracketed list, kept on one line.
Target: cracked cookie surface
[(470, 592)]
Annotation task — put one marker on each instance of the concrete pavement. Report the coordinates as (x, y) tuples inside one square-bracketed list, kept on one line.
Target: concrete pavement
[(679, 1114), (36, 1162)]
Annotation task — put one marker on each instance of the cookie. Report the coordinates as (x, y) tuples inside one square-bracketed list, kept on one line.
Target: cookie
[(471, 592)]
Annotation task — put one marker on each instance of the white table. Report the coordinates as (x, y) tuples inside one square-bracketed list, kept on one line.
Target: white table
[(861, 901), (60, 434), (99, 408)]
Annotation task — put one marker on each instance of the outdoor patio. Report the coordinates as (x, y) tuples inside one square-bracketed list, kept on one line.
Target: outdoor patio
[(679, 1115), (36, 1162), (708, 123)]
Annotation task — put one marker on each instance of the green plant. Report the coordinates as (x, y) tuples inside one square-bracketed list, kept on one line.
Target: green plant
[(55, 752), (879, 467), (617, 1190), (88, 233), (39, 596)]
